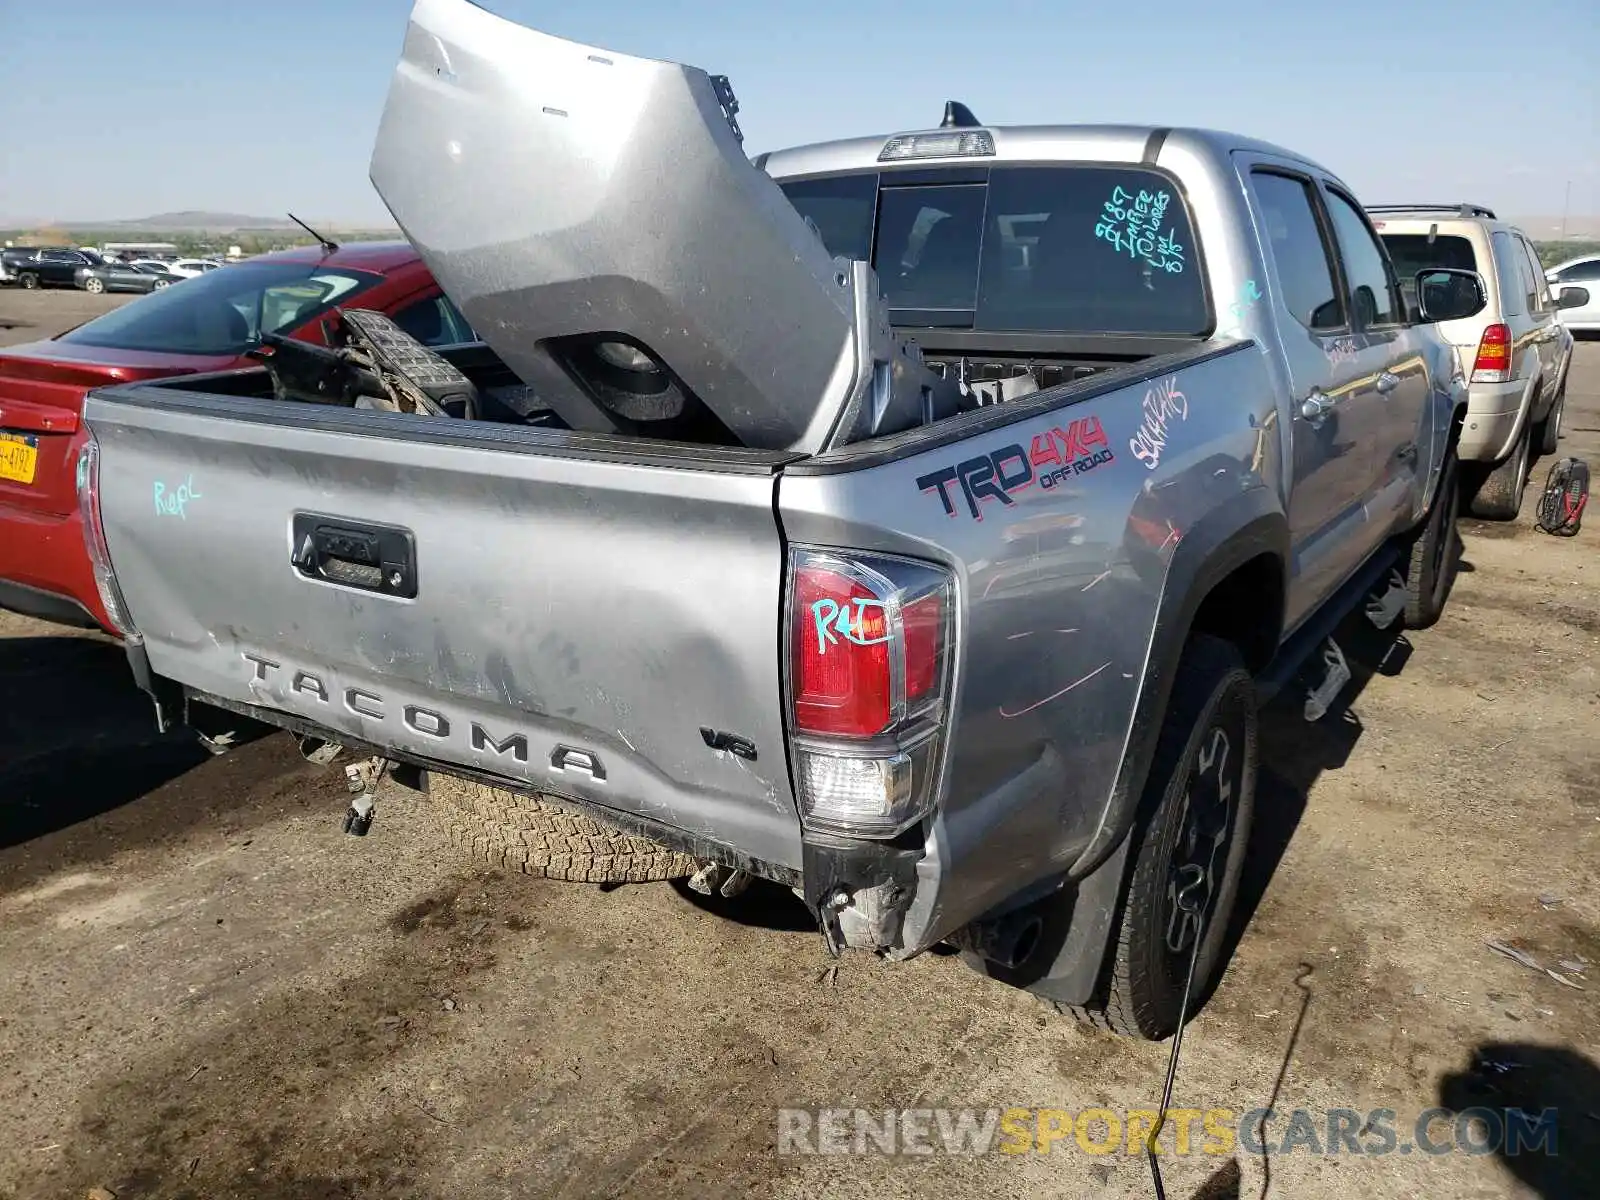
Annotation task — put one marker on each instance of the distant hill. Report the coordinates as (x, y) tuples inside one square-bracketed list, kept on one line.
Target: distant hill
[(1548, 229), (199, 222), (194, 221)]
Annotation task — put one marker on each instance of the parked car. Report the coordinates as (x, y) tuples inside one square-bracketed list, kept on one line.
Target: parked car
[(1582, 272), (112, 276), (1514, 353), (190, 267), (207, 325), (53, 267), (962, 644)]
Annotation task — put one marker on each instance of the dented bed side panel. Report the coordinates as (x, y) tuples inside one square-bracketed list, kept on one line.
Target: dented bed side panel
[(576, 623)]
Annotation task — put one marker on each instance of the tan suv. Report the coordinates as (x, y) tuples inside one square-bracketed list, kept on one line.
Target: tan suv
[(1514, 353)]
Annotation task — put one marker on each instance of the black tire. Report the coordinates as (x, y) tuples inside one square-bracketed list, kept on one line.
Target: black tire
[(1431, 572), (1498, 496), (522, 833), (94, 284), (1208, 738), (28, 280), (1548, 438)]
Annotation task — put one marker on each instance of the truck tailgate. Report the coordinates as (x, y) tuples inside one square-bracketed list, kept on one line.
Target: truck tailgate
[(585, 618)]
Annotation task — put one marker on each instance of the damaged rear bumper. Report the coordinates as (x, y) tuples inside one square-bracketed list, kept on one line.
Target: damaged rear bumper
[(862, 892)]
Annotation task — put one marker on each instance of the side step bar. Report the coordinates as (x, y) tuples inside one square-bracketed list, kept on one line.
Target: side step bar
[(1382, 610), (1312, 637)]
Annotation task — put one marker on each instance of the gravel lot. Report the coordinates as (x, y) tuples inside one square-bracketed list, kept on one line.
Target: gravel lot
[(207, 991)]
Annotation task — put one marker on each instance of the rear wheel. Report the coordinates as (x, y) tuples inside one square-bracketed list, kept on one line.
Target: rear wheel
[(94, 283), (1199, 801), (1549, 438), (159, 284), (1499, 495), (28, 280), (527, 834), (1432, 569)]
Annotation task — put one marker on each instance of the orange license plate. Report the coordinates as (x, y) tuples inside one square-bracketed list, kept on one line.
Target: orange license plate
[(19, 456)]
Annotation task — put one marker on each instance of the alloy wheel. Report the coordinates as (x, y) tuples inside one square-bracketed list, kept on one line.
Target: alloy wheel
[(1205, 830)]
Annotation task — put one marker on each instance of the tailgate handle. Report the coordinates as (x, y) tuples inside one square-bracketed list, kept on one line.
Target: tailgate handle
[(355, 554)]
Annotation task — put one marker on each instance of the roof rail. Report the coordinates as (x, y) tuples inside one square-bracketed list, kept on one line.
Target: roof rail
[(1461, 210)]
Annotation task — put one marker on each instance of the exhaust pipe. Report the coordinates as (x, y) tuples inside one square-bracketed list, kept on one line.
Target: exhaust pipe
[(1007, 941)]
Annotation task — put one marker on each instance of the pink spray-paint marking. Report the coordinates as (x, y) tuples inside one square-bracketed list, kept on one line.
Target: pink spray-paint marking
[(1055, 695)]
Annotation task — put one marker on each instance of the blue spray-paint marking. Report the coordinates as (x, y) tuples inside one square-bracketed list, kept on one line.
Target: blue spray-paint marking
[(175, 502), (1132, 223), (1249, 294), (834, 620)]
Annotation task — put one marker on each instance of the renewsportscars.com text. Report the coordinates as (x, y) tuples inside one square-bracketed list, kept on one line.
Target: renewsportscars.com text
[(1215, 1131)]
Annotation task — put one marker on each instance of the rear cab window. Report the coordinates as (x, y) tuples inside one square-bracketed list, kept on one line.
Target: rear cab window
[(1086, 249)]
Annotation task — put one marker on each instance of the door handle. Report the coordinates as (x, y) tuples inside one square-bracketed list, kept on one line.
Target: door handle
[(1316, 407), (1387, 382), (355, 554)]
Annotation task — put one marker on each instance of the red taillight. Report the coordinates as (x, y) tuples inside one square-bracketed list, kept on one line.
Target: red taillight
[(869, 667), (1493, 364), (924, 624), (841, 656), (94, 537)]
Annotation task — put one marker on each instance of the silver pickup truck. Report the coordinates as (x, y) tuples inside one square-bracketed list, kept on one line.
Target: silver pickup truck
[(916, 521)]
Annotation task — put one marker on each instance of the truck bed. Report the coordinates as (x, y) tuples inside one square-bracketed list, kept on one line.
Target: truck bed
[(1046, 362)]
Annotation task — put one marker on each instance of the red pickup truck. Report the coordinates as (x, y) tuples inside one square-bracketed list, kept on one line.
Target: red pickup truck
[(208, 324)]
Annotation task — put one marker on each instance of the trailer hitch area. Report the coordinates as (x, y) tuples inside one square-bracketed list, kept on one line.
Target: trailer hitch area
[(363, 778), (862, 918), (318, 750)]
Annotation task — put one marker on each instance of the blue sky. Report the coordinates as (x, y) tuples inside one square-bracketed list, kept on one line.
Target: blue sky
[(122, 108)]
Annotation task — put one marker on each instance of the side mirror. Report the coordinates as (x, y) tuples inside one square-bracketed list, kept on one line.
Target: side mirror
[(1572, 297), (1449, 294)]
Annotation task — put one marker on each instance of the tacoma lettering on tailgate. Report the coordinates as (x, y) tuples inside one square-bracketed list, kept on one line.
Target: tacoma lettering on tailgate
[(428, 722)]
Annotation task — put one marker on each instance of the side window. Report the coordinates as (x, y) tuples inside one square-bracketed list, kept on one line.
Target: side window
[(1299, 254), (1512, 272), (1527, 294), (1539, 298), (427, 321), (1371, 286), (1584, 272), (464, 332)]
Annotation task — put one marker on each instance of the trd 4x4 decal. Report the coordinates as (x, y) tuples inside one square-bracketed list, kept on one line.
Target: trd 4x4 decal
[(1050, 459)]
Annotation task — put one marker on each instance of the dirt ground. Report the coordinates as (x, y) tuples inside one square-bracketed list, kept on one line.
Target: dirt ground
[(206, 991)]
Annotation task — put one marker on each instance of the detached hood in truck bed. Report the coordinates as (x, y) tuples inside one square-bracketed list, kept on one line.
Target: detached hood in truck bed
[(582, 207)]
